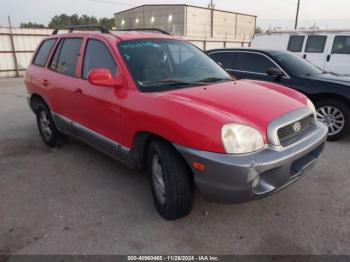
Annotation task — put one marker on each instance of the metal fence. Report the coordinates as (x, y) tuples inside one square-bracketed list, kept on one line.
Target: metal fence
[(213, 44), (16, 49), (17, 46)]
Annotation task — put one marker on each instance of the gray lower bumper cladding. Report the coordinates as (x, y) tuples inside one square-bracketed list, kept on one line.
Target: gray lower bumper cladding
[(239, 178)]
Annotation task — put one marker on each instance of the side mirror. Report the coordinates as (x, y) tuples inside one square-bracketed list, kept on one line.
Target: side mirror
[(276, 72), (103, 77)]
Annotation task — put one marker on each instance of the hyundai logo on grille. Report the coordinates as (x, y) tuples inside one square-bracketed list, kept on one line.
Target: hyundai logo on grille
[(297, 127)]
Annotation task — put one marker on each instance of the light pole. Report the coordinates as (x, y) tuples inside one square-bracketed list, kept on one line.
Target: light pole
[(297, 17)]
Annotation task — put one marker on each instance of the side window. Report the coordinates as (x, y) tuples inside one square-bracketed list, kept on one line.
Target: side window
[(253, 63), (341, 45), (223, 58), (296, 43), (43, 53), (66, 55), (97, 55), (315, 44)]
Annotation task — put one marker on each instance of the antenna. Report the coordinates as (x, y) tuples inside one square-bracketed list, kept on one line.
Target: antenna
[(297, 17)]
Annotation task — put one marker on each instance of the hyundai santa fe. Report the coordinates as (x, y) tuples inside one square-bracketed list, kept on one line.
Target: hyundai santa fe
[(156, 102)]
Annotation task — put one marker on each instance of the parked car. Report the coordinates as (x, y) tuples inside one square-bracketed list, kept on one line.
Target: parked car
[(327, 49), (330, 93), (155, 101)]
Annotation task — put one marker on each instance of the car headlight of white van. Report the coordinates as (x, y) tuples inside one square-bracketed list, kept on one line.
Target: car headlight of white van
[(241, 139), (312, 107)]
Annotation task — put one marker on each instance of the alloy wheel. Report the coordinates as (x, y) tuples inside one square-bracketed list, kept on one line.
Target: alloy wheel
[(45, 125), (331, 117), (158, 179)]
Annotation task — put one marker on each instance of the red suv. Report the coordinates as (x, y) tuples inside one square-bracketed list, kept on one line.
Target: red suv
[(157, 102)]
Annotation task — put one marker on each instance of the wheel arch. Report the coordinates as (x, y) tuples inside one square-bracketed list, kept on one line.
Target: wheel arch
[(323, 96), (35, 100), (141, 142)]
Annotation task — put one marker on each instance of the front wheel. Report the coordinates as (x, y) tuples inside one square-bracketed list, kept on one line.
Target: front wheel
[(336, 116), (171, 181)]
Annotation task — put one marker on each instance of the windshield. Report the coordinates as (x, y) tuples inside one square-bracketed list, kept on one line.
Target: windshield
[(161, 65), (295, 64)]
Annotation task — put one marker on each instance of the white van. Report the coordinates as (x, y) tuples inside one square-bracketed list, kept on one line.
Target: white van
[(327, 49)]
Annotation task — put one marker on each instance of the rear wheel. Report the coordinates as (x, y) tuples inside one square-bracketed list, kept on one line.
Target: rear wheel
[(171, 181), (47, 128), (336, 116)]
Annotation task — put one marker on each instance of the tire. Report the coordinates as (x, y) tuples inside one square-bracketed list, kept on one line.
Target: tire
[(47, 128), (175, 178), (331, 110)]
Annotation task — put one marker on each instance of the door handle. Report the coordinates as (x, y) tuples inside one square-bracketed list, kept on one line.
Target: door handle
[(304, 56), (45, 82), (78, 91), (328, 58)]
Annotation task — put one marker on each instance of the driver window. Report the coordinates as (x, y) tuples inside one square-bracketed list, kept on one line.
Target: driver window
[(97, 55)]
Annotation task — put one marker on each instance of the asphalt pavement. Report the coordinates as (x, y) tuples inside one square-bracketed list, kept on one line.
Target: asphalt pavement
[(75, 200)]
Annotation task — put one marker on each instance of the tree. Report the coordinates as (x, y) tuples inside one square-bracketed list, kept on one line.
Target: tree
[(31, 25), (87, 20), (107, 22), (64, 20)]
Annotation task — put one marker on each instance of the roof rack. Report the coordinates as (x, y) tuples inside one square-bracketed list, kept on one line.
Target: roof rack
[(102, 29), (146, 29)]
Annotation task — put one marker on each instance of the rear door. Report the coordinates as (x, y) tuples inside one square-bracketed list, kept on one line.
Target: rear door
[(316, 50), (224, 58), (338, 59), (62, 77), (251, 65)]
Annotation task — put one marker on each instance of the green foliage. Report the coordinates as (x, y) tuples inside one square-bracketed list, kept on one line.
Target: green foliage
[(31, 25), (107, 22), (64, 20)]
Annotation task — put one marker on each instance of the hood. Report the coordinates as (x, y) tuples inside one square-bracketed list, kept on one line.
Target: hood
[(343, 80), (253, 103)]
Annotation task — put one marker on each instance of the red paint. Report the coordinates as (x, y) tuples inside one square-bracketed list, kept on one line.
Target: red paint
[(192, 117)]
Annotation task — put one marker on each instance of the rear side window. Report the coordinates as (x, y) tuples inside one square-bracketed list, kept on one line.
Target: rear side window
[(43, 53), (296, 43), (253, 63), (315, 44), (97, 55), (341, 45), (66, 55), (225, 59)]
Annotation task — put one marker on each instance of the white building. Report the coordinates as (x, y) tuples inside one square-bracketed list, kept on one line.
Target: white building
[(207, 28)]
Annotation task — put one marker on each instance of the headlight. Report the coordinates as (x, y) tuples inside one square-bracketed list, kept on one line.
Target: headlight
[(241, 139), (311, 106)]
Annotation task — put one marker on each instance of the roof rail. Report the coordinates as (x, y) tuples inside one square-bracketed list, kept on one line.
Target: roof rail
[(102, 29), (146, 29)]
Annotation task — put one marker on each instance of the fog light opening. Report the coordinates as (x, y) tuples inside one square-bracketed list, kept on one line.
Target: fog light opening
[(256, 181)]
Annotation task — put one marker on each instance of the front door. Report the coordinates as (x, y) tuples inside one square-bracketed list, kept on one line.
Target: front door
[(99, 107)]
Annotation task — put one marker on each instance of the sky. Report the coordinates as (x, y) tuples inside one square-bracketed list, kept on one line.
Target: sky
[(271, 13)]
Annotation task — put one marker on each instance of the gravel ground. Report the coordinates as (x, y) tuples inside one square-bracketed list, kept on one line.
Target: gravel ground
[(75, 200)]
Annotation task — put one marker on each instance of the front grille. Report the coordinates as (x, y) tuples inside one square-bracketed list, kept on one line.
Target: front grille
[(294, 129)]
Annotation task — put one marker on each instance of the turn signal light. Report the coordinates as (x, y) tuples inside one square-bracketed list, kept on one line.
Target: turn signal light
[(198, 166)]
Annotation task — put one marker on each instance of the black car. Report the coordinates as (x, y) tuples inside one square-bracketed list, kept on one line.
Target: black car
[(330, 93)]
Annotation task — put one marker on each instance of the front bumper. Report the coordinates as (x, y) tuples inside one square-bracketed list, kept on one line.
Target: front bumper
[(239, 178)]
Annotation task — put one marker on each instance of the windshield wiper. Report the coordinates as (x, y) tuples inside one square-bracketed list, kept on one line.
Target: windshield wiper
[(167, 82), (213, 79)]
